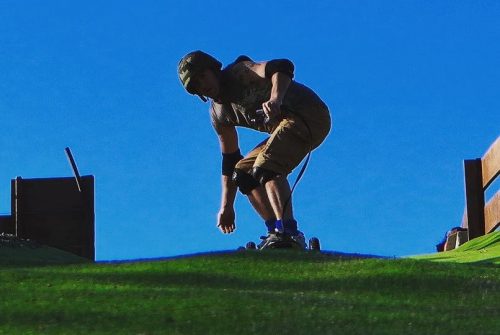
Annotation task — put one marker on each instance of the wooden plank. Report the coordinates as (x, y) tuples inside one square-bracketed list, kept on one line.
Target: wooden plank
[(492, 213), (6, 224), (53, 212), (464, 223), (474, 195), (491, 163), (455, 240), (451, 242), (462, 237)]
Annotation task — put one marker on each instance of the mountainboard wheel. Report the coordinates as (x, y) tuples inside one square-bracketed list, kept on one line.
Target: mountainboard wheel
[(314, 244), (250, 246)]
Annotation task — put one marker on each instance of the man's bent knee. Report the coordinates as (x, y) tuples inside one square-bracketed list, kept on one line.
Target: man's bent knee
[(245, 182), (262, 176)]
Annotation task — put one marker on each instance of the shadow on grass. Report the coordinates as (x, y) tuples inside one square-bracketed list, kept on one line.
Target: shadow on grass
[(249, 286), (286, 254), (288, 271), (36, 257)]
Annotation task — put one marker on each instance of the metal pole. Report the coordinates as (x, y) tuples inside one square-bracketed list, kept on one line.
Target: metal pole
[(75, 169)]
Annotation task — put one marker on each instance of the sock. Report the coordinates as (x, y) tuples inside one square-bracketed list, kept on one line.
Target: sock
[(290, 227), (271, 225), (279, 226)]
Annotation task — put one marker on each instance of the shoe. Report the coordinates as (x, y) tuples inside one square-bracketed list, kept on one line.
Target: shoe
[(279, 240), (268, 240), (299, 239)]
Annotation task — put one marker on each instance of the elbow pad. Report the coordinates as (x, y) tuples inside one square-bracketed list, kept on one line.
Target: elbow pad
[(284, 66), (229, 162)]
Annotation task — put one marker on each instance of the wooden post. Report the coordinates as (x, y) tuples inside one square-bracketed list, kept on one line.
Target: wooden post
[(474, 195), (16, 195)]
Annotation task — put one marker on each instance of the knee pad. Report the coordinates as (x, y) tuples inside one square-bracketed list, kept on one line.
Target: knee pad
[(245, 182), (263, 175)]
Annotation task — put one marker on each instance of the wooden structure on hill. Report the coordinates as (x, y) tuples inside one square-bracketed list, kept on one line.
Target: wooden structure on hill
[(57, 212), (481, 216)]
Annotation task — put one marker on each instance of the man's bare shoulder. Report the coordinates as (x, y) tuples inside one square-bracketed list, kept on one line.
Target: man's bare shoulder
[(244, 64), (220, 115)]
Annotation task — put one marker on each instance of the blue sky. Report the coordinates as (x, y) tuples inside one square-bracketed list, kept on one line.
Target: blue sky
[(413, 87)]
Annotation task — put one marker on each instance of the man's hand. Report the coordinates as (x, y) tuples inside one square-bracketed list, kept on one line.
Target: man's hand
[(225, 220), (272, 109)]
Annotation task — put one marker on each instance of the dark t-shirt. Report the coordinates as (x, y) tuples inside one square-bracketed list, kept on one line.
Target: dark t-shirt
[(244, 92)]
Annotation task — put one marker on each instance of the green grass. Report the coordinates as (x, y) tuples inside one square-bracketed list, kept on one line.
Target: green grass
[(280, 292), (485, 249), (26, 256)]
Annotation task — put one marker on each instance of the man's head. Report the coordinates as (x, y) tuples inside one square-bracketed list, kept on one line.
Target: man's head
[(198, 73)]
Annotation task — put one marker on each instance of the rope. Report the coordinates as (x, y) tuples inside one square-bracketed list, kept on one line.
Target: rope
[(304, 165)]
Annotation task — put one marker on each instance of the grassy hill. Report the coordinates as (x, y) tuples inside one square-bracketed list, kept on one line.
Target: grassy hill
[(485, 249), (277, 292), (16, 252), (42, 255)]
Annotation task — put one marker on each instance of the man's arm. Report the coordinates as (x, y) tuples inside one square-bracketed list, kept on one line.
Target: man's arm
[(280, 72), (228, 140)]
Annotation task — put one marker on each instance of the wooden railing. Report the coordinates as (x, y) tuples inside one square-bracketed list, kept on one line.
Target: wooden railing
[(482, 218)]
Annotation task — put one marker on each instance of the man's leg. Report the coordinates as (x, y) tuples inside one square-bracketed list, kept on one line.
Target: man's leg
[(279, 194), (255, 192), (285, 149), (260, 202)]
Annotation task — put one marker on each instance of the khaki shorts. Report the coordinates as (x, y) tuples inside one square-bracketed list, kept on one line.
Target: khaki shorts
[(288, 144)]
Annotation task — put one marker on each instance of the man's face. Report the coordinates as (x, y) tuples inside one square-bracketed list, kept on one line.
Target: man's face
[(206, 83)]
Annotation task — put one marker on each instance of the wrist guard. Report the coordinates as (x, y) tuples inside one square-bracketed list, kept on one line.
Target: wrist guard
[(229, 162)]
